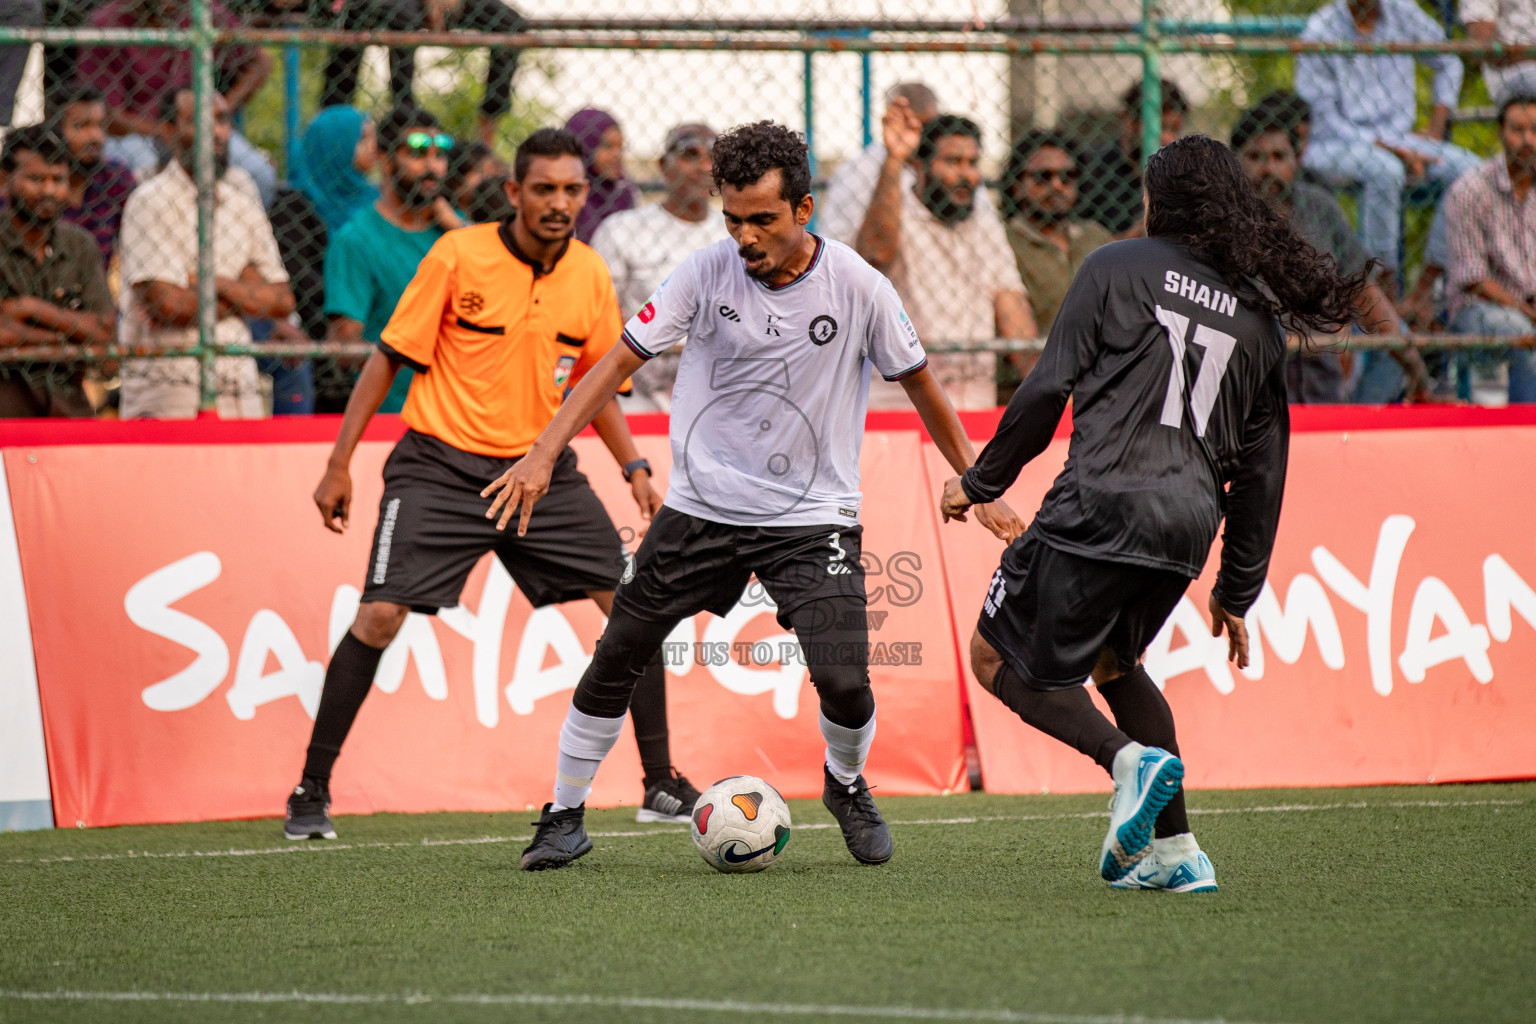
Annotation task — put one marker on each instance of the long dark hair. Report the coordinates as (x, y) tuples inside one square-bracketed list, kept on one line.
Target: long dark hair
[(1197, 194)]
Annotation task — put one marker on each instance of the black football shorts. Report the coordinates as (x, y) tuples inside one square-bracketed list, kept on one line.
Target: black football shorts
[(432, 530), (1049, 613), (687, 565)]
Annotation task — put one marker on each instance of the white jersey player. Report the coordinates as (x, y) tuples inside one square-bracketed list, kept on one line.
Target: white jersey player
[(767, 421)]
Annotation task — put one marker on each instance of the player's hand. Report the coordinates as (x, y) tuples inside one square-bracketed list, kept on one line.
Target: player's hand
[(900, 130), (645, 495), (955, 502), (518, 488), (1237, 632), (1003, 521), (334, 498)]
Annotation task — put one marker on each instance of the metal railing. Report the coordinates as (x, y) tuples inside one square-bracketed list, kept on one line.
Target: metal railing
[(1151, 38)]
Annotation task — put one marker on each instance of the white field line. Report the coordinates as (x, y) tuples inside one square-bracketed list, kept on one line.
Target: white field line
[(609, 1002), (322, 846)]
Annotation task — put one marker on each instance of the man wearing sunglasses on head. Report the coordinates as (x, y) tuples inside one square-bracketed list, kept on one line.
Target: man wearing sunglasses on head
[(374, 256), (1039, 191)]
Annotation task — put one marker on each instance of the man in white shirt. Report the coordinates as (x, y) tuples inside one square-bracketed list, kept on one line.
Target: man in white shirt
[(158, 249), (644, 245), (946, 253), (852, 185), (1365, 105), (1513, 23)]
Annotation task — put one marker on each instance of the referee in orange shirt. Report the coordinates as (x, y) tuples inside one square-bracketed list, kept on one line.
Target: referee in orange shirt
[(499, 321)]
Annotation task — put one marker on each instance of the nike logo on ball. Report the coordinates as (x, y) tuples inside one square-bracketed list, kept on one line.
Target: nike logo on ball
[(732, 857)]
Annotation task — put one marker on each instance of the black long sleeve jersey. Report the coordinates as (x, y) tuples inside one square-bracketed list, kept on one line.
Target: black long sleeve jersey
[(1178, 389)]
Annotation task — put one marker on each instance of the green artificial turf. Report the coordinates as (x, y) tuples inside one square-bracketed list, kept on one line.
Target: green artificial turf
[(1387, 904)]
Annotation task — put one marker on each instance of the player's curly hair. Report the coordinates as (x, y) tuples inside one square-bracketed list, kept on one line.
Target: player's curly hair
[(1197, 194), (745, 153)]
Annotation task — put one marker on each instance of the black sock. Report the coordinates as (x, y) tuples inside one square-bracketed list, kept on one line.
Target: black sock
[(1068, 715), (1143, 714), (347, 681), (648, 714)]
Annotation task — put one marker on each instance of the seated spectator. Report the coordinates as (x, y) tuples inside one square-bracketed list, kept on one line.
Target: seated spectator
[(1111, 184), (469, 165), (132, 79), (842, 208), (1267, 150), (609, 191), (642, 246), (337, 154), (159, 271), (1039, 193), (488, 204), (52, 287), (374, 255), (1513, 23), (340, 77), (13, 56), (1490, 281), (1364, 107), (1288, 110), (946, 254), (98, 186)]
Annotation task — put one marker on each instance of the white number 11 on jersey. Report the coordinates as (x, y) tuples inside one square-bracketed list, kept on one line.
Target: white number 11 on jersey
[(1218, 352)]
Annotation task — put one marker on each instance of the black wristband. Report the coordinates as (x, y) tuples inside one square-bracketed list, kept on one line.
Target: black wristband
[(631, 468)]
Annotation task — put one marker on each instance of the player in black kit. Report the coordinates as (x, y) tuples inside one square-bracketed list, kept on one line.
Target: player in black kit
[(1172, 350)]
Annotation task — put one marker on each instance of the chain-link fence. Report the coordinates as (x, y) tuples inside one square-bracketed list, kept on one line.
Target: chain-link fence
[(257, 180)]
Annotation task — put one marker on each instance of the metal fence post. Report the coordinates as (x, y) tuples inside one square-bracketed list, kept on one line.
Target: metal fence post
[(202, 97), (1151, 82)]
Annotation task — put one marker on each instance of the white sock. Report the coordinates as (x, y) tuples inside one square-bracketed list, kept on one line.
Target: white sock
[(847, 749), (584, 742), (1175, 848), (1124, 769)]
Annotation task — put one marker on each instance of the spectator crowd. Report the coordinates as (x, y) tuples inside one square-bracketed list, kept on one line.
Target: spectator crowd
[(99, 201)]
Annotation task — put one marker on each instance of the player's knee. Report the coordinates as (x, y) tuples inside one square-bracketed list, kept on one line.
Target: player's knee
[(378, 622), (846, 698)]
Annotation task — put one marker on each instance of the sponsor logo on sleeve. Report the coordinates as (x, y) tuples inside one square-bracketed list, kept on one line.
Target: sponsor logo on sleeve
[(647, 313)]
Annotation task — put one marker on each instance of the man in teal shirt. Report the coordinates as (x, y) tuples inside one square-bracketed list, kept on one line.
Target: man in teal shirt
[(374, 256)]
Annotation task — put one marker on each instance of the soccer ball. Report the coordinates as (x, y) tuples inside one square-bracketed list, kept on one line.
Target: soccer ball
[(740, 824)]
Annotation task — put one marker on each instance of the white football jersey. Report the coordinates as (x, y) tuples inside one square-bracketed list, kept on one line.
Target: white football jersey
[(768, 408)]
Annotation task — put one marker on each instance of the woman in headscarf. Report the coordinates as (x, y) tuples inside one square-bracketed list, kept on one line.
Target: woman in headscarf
[(328, 185), (610, 191), (335, 156)]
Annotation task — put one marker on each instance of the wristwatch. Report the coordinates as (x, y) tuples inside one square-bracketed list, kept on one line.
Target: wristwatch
[(630, 468)]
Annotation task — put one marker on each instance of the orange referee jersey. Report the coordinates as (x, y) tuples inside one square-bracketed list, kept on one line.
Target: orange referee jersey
[(495, 341)]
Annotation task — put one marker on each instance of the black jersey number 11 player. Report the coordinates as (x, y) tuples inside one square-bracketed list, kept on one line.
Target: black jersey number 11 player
[(1172, 349)]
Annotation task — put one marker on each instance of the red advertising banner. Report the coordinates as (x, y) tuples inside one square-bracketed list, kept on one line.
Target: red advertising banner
[(185, 599), (1395, 641)]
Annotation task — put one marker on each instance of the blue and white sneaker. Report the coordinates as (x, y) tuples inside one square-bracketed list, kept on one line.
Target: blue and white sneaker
[(1145, 780), (1193, 873)]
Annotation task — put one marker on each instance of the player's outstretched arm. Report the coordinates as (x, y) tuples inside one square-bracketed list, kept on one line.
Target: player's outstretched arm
[(528, 479), (334, 495), (933, 408)]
